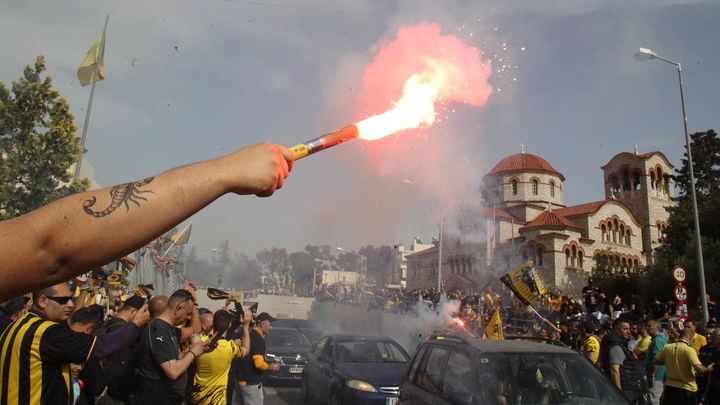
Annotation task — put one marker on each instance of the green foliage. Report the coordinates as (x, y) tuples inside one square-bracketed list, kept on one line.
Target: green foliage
[(612, 281), (678, 246), (37, 144)]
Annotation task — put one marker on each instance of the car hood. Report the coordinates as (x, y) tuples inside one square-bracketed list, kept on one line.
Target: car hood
[(287, 350), (385, 374)]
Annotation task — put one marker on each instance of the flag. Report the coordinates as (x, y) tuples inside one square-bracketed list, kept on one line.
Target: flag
[(182, 237), (524, 283), (494, 328), (95, 55)]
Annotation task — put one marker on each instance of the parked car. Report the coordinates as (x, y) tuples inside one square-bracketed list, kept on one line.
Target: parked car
[(288, 347), (309, 328), (451, 370), (354, 369)]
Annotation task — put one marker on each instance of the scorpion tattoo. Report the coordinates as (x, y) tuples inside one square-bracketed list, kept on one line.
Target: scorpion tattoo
[(120, 194)]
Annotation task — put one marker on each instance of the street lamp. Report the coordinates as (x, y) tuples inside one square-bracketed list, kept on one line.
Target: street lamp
[(647, 54)]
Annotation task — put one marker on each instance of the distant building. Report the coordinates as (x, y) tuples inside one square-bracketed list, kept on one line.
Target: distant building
[(524, 217), (399, 266), (347, 278)]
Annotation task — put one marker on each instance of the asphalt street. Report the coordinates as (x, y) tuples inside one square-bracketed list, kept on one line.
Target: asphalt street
[(283, 395)]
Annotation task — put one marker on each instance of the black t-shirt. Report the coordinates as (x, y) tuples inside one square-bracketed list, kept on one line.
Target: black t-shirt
[(591, 296), (246, 370), (657, 310), (160, 343)]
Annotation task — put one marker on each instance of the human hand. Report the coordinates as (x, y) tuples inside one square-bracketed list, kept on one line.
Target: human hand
[(274, 367), (200, 347), (247, 317), (142, 317), (192, 289), (257, 169)]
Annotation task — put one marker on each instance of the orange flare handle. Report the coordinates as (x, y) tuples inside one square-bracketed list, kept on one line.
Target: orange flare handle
[(323, 142)]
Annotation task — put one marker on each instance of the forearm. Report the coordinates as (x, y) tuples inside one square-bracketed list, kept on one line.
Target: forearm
[(111, 342), (175, 368), (246, 340), (72, 235), (615, 377)]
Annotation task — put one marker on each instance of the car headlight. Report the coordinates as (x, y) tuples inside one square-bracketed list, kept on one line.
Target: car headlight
[(360, 385)]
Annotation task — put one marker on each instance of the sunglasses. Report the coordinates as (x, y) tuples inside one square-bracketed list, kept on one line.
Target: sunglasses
[(59, 300)]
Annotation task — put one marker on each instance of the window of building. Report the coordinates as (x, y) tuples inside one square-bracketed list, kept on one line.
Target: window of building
[(603, 231), (580, 258), (535, 187), (567, 257), (514, 187), (552, 189), (540, 256)]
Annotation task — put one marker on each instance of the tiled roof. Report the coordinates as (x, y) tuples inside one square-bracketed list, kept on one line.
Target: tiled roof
[(582, 209), (550, 220), (524, 162), (641, 156)]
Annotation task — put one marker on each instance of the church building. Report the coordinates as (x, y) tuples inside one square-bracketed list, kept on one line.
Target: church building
[(524, 216)]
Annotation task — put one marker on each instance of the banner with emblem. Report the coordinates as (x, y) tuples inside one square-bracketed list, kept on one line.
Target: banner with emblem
[(494, 328), (525, 283)]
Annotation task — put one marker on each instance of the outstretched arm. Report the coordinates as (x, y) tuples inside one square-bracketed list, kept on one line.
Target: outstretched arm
[(72, 235)]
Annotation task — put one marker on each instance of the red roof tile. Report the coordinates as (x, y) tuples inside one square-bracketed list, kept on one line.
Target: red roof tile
[(582, 209), (550, 220), (524, 162)]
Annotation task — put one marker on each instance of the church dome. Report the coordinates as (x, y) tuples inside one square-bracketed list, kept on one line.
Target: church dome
[(524, 162)]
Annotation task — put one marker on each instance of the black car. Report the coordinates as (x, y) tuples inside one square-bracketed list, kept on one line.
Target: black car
[(354, 369), (288, 347), (309, 328), (451, 370)]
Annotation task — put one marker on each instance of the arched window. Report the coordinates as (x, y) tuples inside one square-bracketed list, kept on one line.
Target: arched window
[(552, 189), (603, 231), (652, 179), (580, 258), (540, 255), (621, 236), (625, 179), (627, 238), (535, 187), (514, 187), (573, 255), (567, 257)]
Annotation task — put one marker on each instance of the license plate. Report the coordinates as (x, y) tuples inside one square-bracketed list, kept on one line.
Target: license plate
[(391, 401), (296, 370)]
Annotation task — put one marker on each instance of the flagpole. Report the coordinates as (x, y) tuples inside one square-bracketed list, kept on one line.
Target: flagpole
[(179, 236), (92, 95)]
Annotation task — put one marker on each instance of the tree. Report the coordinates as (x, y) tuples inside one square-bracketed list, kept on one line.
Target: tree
[(37, 144), (379, 262), (678, 245)]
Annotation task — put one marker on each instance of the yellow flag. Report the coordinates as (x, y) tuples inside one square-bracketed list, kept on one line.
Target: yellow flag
[(182, 237), (96, 54), (494, 328)]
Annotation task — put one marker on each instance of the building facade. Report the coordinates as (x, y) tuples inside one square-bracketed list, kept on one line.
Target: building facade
[(524, 217)]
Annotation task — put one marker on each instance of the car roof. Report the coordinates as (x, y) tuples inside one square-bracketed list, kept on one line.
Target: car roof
[(501, 346), (356, 336)]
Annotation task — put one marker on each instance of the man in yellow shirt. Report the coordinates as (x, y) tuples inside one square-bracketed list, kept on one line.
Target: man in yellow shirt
[(699, 340), (681, 363), (643, 343), (590, 344), (213, 368)]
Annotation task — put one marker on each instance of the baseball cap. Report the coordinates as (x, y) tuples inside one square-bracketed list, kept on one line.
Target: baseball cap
[(264, 316), (135, 301)]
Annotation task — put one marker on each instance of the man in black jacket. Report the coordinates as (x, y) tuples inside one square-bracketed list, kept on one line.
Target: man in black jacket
[(620, 364), (119, 368)]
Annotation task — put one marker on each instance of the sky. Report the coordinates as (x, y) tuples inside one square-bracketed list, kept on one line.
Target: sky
[(189, 80)]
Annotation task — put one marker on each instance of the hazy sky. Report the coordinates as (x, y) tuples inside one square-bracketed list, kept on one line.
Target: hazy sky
[(190, 80)]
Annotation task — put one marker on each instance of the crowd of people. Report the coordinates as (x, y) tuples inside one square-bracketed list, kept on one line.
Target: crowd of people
[(159, 350)]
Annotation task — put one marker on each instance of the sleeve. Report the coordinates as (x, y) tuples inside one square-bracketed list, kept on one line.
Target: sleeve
[(257, 351), (661, 355), (61, 343), (694, 359), (617, 355), (162, 345)]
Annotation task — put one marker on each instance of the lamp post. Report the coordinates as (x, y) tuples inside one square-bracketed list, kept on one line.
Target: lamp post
[(646, 54)]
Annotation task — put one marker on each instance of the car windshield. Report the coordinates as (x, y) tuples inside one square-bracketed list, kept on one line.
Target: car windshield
[(370, 351), (531, 378), (287, 337)]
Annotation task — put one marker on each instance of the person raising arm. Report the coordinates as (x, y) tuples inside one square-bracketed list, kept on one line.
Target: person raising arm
[(74, 234)]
